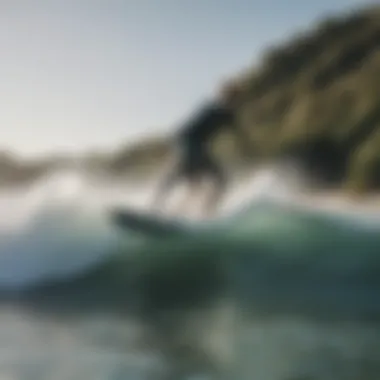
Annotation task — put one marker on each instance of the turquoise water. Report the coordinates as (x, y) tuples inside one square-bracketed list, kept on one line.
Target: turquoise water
[(273, 292)]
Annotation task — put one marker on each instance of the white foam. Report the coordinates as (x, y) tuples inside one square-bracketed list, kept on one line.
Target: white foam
[(54, 229), (58, 227)]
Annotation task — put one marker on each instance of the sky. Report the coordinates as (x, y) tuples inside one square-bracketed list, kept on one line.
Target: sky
[(79, 75)]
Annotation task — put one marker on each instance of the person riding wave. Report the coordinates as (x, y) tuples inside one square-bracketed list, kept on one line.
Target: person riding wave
[(195, 162)]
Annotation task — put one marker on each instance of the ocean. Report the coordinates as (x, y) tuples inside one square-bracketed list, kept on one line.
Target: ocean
[(278, 287)]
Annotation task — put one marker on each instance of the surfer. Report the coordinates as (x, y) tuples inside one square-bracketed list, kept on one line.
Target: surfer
[(195, 162)]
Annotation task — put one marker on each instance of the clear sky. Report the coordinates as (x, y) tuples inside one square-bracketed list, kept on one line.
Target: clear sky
[(83, 74)]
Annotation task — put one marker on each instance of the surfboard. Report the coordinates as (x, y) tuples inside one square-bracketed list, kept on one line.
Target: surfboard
[(151, 225)]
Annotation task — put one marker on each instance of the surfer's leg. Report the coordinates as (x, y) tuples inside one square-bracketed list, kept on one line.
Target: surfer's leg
[(190, 172), (198, 169), (194, 188), (185, 158), (165, 187), (219, 185)]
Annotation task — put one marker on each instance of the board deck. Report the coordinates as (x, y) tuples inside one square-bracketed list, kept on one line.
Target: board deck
[(147, 224)]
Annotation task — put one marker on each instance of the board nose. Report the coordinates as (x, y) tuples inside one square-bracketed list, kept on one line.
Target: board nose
[(146, 224)]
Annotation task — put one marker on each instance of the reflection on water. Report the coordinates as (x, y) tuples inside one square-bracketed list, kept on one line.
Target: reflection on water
[(293, 326), (292, 348), (281, 331), (45, 344), (89, 347)]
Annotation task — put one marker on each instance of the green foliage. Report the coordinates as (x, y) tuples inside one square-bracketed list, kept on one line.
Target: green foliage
[(318, 99)]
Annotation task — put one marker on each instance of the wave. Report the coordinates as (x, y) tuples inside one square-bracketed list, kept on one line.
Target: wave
[(59, 227), (58, 230), (50, 232)]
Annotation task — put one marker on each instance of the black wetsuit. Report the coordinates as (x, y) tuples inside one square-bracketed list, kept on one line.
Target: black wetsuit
[(194, 138)]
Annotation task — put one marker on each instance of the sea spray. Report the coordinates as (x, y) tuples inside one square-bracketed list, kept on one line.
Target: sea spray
[(293, 263), (52, 230)]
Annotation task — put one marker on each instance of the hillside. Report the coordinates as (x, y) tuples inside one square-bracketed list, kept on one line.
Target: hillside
[(318, 98), (315, 98)]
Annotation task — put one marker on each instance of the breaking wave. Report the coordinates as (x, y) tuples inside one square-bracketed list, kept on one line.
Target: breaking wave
[(58, 229)]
